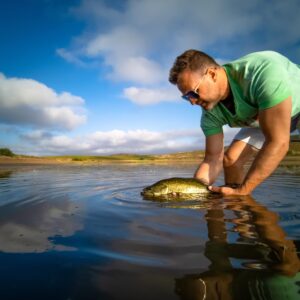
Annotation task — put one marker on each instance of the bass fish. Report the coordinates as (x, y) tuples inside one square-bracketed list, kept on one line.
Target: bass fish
[(176, 187)]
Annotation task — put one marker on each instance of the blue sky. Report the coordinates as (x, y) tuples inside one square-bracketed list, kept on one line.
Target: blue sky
[(91, 76)]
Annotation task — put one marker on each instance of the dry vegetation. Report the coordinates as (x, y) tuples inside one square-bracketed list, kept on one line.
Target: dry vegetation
[(292, 158)]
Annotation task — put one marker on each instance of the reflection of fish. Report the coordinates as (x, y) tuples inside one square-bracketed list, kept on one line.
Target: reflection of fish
[(176, 187)]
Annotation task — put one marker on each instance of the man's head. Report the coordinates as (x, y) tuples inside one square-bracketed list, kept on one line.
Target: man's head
[(200, 78)]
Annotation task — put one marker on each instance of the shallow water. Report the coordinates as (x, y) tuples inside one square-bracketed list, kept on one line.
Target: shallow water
[(82, 232)]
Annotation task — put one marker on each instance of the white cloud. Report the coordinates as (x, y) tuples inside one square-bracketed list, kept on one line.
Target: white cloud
[(137, 69), (146, 96), (29, 102), (123, 49), (116, 141), (121, 41), (147, 26), (138, 40), (36, 135), (110, 142), (70, 57)]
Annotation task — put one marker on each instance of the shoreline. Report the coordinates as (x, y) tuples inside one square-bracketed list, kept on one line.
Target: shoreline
[(91, 162), (292, 159), (288, 161)]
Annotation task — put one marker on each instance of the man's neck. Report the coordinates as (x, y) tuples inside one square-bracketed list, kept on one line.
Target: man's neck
[(229, 103), (226, 91)]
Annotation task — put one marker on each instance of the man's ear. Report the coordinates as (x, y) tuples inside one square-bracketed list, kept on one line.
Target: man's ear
[(212, 72)]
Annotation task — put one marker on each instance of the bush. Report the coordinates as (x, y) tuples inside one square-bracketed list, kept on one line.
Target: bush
[(6, 152), (77, 159)]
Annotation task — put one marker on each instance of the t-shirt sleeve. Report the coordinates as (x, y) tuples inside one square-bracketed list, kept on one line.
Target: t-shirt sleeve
[(270, 85), (210, 125)]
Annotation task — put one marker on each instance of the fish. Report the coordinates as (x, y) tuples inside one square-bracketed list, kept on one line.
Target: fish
[(176, 187)]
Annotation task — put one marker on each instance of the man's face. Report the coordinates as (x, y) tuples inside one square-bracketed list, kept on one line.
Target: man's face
[(200, 90)]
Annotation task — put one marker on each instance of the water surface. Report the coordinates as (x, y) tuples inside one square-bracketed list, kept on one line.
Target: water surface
[(85, 232)]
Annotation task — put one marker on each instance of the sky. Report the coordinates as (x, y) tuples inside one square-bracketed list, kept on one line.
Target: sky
[(90, 77)]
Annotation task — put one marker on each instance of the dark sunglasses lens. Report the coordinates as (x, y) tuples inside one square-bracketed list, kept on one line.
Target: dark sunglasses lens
[(185, 97), (190, 95)]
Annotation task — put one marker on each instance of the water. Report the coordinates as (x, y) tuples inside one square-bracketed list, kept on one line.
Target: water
[(83, 232)]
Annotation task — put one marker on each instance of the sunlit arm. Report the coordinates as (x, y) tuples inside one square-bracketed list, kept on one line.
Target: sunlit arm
[(275, 123), (210, 167)]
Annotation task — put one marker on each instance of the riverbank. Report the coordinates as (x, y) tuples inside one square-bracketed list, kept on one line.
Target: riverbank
[(291, 159), (118, 158)]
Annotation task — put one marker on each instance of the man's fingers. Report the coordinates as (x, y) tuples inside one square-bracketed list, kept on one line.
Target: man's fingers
[(226, 191), (222, 190), (215, 189)]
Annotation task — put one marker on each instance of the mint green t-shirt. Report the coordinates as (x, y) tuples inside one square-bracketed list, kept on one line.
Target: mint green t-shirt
[(258, 81)]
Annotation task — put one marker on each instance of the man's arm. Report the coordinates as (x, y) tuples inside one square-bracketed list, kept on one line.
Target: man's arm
[(275, 124), (212, 164)]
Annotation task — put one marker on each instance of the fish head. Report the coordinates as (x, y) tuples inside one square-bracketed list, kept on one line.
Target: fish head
[(157, 189)]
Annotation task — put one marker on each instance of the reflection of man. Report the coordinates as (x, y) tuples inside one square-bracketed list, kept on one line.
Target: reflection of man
[(259, 92), (267, 265)]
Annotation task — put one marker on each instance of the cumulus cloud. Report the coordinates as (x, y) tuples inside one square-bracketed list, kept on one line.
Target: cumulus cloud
[(70, 57), (117, 141), (29, 102), (138, 40), (111, 142), (123, 49), (147, 27), (146, 96)]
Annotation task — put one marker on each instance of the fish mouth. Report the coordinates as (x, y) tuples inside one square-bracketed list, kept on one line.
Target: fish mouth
[(147, 192)]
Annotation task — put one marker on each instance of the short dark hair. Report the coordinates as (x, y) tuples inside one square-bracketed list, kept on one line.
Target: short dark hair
[(193, 60)]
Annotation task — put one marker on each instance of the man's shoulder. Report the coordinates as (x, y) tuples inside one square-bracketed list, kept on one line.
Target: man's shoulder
[(258, 58), (257, 66), (266, 54)]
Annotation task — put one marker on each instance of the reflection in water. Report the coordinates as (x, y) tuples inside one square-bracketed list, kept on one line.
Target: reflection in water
[(270, 268), (31, 228), (126, 248), (5, 174), (32, 218)]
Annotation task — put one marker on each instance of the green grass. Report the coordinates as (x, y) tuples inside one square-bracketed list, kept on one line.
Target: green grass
[(116, 157), (294, 149), (131, 157)]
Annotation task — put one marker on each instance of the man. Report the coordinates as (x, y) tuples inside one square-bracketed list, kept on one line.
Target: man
[(259, 92)]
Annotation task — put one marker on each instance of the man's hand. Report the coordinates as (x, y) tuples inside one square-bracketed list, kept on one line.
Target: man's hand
[(228, 190)]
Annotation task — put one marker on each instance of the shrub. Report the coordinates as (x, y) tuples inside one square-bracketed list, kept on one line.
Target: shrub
[(6, 152)]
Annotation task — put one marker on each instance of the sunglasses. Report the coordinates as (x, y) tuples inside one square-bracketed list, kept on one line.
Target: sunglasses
[(191, 94)]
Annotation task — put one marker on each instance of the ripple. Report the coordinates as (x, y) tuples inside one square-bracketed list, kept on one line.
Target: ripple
[(98, 214), (133, 259)]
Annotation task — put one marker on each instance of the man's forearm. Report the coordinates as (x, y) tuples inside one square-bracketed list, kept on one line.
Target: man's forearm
[(212, 164), (264, 164), (208, 171)]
